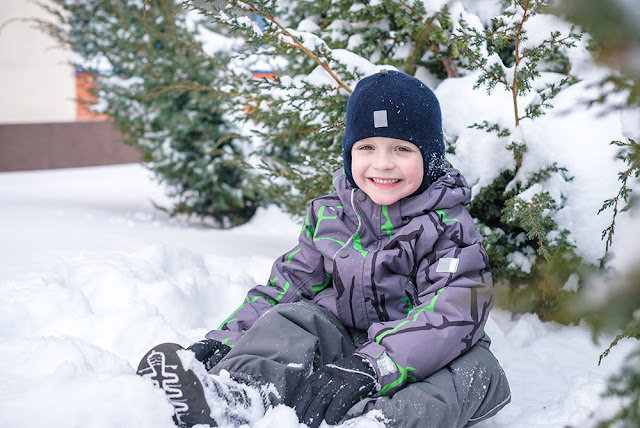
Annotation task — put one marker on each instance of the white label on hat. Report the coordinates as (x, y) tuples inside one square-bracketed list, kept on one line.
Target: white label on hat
[(449, 265), (380, 119)]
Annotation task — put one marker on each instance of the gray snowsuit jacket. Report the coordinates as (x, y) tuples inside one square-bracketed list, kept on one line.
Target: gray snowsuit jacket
[(411, 281)]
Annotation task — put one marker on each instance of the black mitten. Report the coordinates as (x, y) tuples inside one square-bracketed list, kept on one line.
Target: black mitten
[(331, 391), (209, 352)]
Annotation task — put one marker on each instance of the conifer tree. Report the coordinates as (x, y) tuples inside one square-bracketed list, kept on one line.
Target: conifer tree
[(300, 111), (162, 91), (519, 224)]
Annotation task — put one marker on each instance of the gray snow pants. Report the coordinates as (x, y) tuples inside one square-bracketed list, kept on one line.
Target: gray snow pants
[(291, 340)]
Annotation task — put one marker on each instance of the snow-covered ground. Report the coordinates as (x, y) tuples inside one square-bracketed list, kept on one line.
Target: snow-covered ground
[(91, 276)]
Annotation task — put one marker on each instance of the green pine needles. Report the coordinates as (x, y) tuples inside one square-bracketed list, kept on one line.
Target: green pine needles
[(533, 217), (623, 200)]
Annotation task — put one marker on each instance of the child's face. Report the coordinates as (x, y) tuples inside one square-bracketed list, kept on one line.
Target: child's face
[(386, 169)]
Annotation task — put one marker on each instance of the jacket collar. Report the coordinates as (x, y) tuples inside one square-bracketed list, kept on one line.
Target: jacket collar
[(449, 190)]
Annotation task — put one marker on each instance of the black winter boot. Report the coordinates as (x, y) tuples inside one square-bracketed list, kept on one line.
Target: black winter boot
[(183, 388)]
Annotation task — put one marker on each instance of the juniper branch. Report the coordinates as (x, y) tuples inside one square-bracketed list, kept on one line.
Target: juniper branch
[(514, 87), (635, 332), (622, 193), (298, 44), (195, 87), (412, 10), (541, 239)]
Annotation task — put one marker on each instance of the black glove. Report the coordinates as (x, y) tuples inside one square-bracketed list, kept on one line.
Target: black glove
[(331, 391), (209, 352)]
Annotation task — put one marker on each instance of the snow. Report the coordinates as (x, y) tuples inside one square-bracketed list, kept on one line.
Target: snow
[(521, 261), (92, 276), (539, 28), (212, 42), (309, 40), (483, 9), (479, 155), (308, 26)]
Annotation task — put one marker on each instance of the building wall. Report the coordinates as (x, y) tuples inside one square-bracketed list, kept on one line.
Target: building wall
[(37, 83), (42, 126), (30, 146)]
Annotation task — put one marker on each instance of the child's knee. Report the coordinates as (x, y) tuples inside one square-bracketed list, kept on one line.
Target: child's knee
[(302, 311), (482, 382)]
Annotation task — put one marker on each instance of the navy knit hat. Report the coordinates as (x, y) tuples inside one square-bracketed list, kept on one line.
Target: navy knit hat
[(395, 105)]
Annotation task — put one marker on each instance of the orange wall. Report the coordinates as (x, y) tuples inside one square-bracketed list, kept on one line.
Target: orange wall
[(84, 98)]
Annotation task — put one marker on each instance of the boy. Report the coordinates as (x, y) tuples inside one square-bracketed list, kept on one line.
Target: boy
[(380, 306)]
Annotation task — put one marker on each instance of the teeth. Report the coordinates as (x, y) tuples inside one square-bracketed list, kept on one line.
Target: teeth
[(379, 181)]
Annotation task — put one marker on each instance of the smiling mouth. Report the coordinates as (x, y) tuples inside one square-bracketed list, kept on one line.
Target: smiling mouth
[(385, 181)]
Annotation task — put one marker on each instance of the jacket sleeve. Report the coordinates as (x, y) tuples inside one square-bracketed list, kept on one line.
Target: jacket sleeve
[(298, 274), (450, 312)]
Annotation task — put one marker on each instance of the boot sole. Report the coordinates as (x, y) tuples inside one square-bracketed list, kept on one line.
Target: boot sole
[(163, 367)]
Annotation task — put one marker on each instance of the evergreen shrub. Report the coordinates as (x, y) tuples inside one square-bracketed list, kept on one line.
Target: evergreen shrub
[(153, 78)]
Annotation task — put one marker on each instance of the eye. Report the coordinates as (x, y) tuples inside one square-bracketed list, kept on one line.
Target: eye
[(403, 149), (365, 147)]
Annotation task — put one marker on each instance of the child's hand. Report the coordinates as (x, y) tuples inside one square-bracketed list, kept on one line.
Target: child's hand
[(209, 352), (330, 392)]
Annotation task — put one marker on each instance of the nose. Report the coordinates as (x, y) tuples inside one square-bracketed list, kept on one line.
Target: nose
[(383, 160)]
